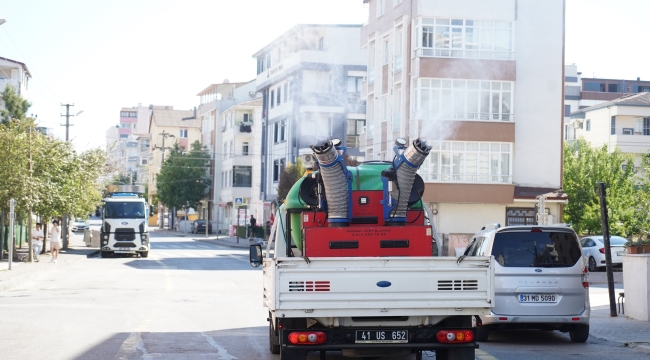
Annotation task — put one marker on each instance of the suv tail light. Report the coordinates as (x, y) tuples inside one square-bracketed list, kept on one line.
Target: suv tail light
[(307, 337), (601, 250), (455, 336), (585, 277)]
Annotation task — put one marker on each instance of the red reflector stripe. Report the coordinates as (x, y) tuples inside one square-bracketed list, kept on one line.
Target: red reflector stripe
[(575, 319), (503, 318)]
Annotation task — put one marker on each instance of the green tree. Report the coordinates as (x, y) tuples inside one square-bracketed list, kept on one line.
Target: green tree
[(584, 168), (15, 106), (289, 176), (183, 176)]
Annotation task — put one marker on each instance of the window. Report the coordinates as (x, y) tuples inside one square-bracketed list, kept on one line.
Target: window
[(396, 2), (461, 38), (124, 136), (646, 126), (613, 126), (567, 110), (539, 249), (241, 176), (613, 88), (628, 131), (397, 107), (644, 89), (386, 52), (354, 84), (278, 168), (355, 127), (279, 131), (385, 109), (279, 90), (381, 5), (129, 114), (183, 133), (125, 125), (144, 160), (272, 99), (321, 44), (398, 51), (588, 126), (247, 117), (286, 91), (470, 162), (370, 116), (244, 148), (592, 86), (371, 63), (444, 99)]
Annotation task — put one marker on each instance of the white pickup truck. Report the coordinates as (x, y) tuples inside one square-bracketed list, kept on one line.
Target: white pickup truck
[(371, 306)]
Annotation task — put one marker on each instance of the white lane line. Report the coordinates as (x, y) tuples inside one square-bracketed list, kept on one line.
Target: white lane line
[(222, 353), (482, 355)]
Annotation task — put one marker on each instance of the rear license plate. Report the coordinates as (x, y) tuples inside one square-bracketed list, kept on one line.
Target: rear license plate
[(382, 336), (537, 298)]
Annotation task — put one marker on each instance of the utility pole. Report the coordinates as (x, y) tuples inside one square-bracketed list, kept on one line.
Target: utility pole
[(67, 136), (602, 194), (165, 135)]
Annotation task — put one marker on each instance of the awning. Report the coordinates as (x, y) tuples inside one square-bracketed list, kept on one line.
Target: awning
[(524, 193)]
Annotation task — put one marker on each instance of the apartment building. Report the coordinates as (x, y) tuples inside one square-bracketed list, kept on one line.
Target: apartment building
[(622, 123), (166, 127), (15, 74), (240, 164), (310, 80), (212, 101), (465, 76)]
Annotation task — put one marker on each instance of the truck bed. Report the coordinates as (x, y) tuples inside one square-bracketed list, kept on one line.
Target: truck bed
[(386, 286)]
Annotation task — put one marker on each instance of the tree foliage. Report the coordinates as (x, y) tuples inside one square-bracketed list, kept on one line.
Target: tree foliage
[(584, 168), (289, 176), (15, 106), (47, 174), (183, 177)]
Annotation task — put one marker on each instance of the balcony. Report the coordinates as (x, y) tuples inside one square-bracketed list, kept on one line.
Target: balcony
[(465, 54), (12, 82), (466, 178), (466, 116), (269, 75)]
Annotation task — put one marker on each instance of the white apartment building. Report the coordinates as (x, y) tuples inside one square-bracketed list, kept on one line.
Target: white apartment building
[(15, 74), (465, 76), (622, 123), (310, 78), (240, 164)]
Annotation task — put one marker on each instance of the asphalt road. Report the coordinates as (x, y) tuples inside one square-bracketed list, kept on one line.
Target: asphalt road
[(188, 300)]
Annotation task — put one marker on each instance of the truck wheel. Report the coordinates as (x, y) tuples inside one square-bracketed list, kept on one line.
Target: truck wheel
[(144, 254), (579, 334), (482, 333), (456, 354), (105, 254), (293, 354), (274, 341)]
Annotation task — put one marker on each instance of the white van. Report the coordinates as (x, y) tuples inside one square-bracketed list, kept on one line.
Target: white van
[(540, 279)]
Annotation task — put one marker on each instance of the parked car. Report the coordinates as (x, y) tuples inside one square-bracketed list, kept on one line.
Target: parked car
[(79, 224), (540, 279), (593, 248), (198, 227)]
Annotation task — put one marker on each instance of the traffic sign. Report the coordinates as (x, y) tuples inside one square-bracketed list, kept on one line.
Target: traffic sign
[(239, 201)]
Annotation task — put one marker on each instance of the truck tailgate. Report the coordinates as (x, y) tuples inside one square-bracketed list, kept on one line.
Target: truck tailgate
[(395, 286)]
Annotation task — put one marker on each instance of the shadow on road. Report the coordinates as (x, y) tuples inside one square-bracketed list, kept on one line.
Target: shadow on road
[(216, 262)]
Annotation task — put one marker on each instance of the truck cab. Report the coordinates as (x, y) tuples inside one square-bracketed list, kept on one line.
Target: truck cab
[(124, 223)]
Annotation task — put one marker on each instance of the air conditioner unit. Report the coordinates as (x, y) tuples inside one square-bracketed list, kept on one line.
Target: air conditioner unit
[(308, 161)]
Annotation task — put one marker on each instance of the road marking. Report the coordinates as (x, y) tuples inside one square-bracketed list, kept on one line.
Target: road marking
[(482, 355), (222, 353)]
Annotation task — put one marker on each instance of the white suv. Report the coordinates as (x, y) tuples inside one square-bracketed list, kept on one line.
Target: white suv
[(540, 279)]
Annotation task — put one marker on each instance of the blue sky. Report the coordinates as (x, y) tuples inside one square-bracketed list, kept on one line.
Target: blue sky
[(103, 55)]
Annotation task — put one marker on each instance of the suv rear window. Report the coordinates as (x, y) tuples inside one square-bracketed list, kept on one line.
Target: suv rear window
[(536, 249)]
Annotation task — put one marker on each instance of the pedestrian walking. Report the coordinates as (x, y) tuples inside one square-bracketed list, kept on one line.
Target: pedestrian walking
[(55, 241), (268, 230), (253, 223), (37, 241)]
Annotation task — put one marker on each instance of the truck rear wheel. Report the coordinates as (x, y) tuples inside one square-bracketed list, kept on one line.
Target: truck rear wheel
[(482, 333), (274, 341)]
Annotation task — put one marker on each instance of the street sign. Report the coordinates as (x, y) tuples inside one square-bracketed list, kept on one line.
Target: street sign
[(239, 201)]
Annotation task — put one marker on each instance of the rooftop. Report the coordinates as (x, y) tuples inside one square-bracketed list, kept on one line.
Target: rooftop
[(19, 63), (640, 99), (164, 117), (299, 27)]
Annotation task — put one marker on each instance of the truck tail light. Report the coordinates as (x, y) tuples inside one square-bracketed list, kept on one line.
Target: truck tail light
[(455, 336), (585, 277), (307, 337)]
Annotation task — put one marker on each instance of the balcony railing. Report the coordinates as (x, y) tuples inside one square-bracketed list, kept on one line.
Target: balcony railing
[(352, 141), (467, 54), (467, 178), (467, 116)]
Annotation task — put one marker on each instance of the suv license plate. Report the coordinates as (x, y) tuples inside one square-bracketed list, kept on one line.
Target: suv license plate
[(537, 298), (382, 336)]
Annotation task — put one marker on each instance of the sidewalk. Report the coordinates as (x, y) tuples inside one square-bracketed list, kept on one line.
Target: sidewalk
[(220, 239), (24, 271)]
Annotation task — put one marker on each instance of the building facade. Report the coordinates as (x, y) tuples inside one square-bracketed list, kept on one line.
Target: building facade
[(15, 74), (465, 76), (310, 80)]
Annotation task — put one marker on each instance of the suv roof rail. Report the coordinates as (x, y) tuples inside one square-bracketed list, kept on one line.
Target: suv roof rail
[(493, 225)]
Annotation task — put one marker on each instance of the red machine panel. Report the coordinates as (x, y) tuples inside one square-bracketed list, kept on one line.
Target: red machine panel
[(369, 240)]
